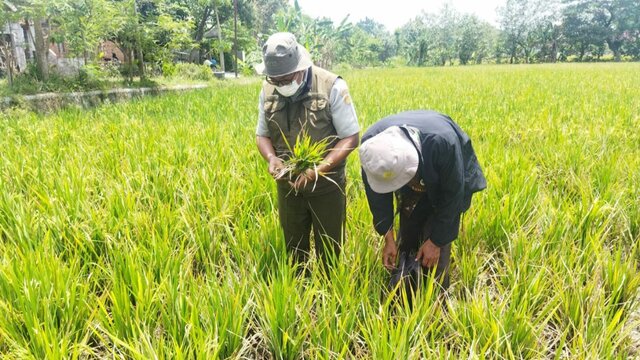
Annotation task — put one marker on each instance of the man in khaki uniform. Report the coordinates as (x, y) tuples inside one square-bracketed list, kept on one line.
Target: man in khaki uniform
[(297, 96)]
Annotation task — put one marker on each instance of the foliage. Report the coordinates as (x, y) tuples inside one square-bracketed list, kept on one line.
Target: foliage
[(304, 155), (153, 34), (168, 69), (89, 77), (551, 30), (193, 72), (520, 21), (252, 59), (174, 34), (83, 24)]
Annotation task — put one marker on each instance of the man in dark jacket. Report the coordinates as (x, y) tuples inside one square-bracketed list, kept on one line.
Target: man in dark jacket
[(427, 161)]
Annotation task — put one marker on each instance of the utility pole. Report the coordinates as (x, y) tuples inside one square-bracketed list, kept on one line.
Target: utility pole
[(235, 36)]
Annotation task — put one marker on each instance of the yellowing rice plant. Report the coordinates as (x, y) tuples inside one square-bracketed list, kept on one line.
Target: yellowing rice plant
[(149, 229), (304, 155)]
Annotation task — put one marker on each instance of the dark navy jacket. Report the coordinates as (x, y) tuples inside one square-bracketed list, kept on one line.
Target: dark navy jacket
[(448, 166)]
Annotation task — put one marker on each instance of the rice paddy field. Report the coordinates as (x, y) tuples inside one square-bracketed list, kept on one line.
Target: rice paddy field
[(149, 230)]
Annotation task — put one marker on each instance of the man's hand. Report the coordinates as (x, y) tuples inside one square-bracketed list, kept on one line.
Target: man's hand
[(307, 178), (275, 165), (428, 254), (390, 251)]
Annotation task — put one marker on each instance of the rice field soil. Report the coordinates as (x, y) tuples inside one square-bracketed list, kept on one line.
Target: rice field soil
[(150, 229)]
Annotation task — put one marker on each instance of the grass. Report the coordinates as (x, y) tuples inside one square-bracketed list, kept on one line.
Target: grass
[(30, 87), (150, 229), (4, 88)]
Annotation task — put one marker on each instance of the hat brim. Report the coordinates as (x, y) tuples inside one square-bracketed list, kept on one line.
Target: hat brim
[(259, 68), (303, 63), (385, 187)]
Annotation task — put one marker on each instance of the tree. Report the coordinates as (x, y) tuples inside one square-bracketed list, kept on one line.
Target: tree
[(522, 22), (83, 24), (548, 31), (206, 17), (471, 32), (152, 31), (632, 45), (488, 42), (37, 12), (380, 42), (173, 30), (589, 23), (617, 18), (201, 12), (551, 38), (446, 33), (132, 36), (7, 59), (211, 24), (329, 44), (416, 39), (579, 30), (263, 12), (288, 19)]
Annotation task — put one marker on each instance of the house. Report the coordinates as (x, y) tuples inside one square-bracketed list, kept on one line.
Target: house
[(17, 39), (111, 51)]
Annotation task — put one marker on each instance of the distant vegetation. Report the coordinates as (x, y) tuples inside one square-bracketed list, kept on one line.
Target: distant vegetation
[(155, 34)]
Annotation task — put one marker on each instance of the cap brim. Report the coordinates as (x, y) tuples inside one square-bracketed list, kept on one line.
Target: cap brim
[(390, 186)]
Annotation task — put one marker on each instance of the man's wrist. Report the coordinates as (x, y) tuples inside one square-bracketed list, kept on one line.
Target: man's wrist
[(389, 237), (311, 174), (325, 167), (433, 243)]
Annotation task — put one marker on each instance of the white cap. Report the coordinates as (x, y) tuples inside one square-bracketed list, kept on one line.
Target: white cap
[(389, 159)]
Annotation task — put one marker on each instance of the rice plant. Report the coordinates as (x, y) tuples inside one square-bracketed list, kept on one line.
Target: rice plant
[(305, 154), (150, 229)]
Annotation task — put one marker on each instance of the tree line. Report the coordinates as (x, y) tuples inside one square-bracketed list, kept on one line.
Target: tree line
[(162, 31)]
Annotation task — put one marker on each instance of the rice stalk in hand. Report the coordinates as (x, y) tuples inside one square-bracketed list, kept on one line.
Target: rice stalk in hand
[(304, 155)]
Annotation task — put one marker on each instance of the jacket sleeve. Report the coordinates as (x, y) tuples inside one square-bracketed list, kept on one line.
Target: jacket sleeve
[(448, 164), (381, 206)]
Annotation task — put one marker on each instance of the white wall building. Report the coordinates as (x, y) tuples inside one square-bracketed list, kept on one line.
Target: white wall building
[(21, 42)]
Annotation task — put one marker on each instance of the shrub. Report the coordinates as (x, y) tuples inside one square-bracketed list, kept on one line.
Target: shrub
[(396, 62), (246, 68), (193, 72), (127, 70), (112, 69), (168, 69), (341, 68), (26, 83), (89, 77), (250, 61)]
